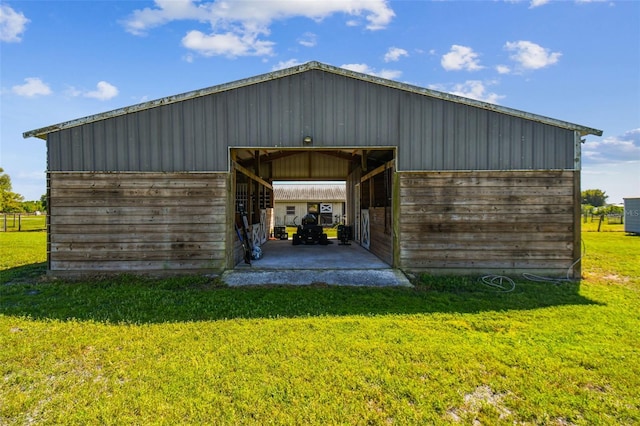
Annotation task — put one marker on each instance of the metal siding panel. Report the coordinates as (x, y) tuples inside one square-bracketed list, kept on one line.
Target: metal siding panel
[(569, 151), (199, 135), (406, 132), (142, 123), (336, 110), (438, 132), (507, 145), (208, 132), (449, 137), (314, 104), (119, 126), (86, 159), (110, 147), (462, 147), (189, 136), (484, 128), (165, 146), (154, 155), (220, 130), (512, 130), (341, 107), (482, 139), (350, 115), (176, 137), (563, 142), (417, 131), (133, 144), (538, 146), (297, 113), (489, 154), (559, 148), (99, 146), (54, 158), (318, 108), (76, 151), (529, 147)]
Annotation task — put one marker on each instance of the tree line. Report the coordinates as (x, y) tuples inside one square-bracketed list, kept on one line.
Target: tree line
[(594, 202), (12, 202)]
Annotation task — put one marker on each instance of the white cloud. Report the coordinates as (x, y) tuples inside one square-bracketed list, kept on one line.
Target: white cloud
[(460, 58), (227, 44), (12, 24), (503, 69), (531, 56), (366, 69), (104, 91), (537, 3), (613, 149), (389, 74), (238, 28), (472, 89), (285, 64), (308, 39), (394, 54), (32, 87)]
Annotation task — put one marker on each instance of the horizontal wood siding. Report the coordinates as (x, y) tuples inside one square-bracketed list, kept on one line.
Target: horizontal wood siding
[(137, 222), (505, 222), (380, 239)]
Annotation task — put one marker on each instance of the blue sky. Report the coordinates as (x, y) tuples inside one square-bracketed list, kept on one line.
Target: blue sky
[(577, 61)]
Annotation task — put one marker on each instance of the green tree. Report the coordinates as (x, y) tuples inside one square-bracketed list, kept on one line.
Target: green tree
[(594, 197), (10, 202), (32, 206), (43, 202)]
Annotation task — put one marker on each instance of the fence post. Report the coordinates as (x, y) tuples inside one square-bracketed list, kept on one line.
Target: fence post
[(19, 222), (600, 222), (5, 222)]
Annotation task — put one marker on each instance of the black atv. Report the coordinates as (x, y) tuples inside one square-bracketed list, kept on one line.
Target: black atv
[(310, 232)]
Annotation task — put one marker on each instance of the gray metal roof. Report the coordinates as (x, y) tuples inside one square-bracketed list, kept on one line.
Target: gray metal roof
[(309, 192), (44, 131)]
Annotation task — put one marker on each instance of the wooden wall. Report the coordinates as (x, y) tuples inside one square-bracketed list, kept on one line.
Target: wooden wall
[(137, 222), (505, 222), (380, 237)]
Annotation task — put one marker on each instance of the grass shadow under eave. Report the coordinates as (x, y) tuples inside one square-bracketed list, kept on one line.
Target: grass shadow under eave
[(135, 299)]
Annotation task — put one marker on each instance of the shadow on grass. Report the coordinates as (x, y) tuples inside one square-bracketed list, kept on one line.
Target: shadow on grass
[(25, 291)]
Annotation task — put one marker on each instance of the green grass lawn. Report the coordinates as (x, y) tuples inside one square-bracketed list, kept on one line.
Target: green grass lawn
[(16, 222), (190, 351)]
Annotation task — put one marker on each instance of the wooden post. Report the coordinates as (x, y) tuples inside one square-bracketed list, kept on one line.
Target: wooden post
[(5, 222), (19, 222), (600, 222)]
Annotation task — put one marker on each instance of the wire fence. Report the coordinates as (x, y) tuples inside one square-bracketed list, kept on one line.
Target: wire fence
[(22, 222)]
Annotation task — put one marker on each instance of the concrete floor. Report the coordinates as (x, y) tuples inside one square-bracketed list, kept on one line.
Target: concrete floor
[(282, 254), (334, 264)]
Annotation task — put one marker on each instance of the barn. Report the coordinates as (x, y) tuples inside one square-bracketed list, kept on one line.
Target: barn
[(435, 183), (292, 201)]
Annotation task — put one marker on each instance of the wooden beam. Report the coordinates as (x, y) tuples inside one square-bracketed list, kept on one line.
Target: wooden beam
[(251, 175), (377, 170)]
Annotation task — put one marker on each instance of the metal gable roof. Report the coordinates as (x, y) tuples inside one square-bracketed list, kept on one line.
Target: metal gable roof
[(309, 192), (42, 132)]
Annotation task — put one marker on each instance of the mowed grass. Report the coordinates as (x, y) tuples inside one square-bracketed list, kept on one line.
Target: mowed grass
[(15, 222), (188, 350)]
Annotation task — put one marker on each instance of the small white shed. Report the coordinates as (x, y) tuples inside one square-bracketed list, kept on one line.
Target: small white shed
[(632, 215)]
